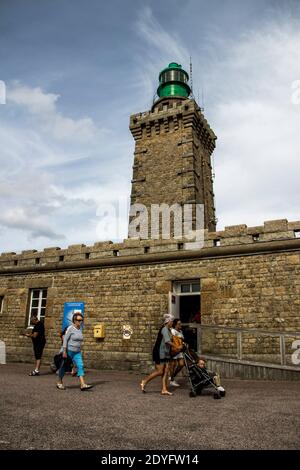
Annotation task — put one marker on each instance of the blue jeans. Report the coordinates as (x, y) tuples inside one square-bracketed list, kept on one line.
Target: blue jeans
[(77, 359)]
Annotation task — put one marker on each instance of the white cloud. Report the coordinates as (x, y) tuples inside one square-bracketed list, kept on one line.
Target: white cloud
[(258, 148), (66, 128), (28, 221), (55, 171), (158, 48), (161, 42), (43, 106), (248, 84), (34, 99)]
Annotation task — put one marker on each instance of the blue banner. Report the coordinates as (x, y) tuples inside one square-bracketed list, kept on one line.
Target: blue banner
[(69, 309)]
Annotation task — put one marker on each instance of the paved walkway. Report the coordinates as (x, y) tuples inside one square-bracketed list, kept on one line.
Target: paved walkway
[(116, 415)]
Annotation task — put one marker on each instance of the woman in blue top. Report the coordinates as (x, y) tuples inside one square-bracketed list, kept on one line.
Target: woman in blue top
[(161, 356), (72, 348)]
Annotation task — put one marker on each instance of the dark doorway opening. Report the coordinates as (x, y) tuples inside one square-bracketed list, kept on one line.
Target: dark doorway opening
[(189, 308), (190, 314)]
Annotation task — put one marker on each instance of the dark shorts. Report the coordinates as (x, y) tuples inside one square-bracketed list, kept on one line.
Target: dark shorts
[(38, 350), (164, 361)]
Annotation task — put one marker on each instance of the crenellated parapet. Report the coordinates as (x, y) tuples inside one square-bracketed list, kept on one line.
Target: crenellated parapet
[(271, 230), (172, 115), (236, 238)]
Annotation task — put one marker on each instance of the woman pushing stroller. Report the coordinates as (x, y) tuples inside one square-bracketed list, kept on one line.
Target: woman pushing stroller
[(161, 356)]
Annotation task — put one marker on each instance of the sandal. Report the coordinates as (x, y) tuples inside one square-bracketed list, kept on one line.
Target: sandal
[(166, 393), (142, 385), (60, 387), (86, 387), (34, 372)]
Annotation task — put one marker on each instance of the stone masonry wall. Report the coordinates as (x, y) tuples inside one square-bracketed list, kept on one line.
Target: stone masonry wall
[(250, 280), (173, 145)]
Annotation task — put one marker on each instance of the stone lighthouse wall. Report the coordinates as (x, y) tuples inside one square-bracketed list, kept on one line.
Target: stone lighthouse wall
[(172, 158)]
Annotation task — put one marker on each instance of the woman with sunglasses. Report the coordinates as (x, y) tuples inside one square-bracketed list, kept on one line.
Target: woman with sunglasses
[(71, 347)]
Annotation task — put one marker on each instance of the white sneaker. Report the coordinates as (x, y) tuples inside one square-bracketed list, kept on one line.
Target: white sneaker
[(221, 389), (174, 383)]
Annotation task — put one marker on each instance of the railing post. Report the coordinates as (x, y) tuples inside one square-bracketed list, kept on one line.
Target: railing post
[(282, 350), (199, 339), (239, 345)]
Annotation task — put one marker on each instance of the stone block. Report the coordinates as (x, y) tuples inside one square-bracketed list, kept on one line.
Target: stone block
[(79, 248), (293, 259), (294, 225), (280, 225), (208, 284), (8, 254), (52, 250), (163, 287), (237, 240), (273, 236), (102, 245), (235, 230)]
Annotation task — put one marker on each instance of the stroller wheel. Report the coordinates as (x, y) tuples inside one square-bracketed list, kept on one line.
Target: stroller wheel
[(193, 394), (217, 395)]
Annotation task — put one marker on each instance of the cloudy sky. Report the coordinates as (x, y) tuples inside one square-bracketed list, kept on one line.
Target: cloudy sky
[(75, 70)]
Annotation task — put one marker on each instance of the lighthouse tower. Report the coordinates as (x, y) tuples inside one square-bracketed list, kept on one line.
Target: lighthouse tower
[(173, 148)]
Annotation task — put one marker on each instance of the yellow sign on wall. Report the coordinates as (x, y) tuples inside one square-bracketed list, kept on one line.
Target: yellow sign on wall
[(99, 331)]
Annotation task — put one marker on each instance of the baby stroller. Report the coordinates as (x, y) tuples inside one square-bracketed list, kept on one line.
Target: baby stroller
[(199, 378)]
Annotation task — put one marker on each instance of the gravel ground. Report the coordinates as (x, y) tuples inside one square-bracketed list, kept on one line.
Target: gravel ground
[(115, 414)]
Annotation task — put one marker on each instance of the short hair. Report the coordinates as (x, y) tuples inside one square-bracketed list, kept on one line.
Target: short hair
[(201, 358), (175, 321)]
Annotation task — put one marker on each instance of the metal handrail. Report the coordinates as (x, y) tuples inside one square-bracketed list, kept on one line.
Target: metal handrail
[(249, 330), (282, 335)]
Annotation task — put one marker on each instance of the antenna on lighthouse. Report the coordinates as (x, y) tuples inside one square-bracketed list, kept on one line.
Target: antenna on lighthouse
[(202, 109), (191, 76)]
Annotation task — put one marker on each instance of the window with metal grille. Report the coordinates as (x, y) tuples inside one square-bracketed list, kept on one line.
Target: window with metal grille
[(38, 300)]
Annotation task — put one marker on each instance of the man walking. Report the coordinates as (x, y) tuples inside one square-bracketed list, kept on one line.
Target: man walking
[(38, 340)]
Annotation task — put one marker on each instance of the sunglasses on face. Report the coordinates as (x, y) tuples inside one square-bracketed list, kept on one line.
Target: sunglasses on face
[(79, 319)]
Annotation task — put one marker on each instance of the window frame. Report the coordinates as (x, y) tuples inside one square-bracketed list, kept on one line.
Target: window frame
[(177, 286), (39, 309)]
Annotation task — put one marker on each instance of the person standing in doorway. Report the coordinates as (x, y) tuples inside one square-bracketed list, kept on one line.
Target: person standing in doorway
[(38, 341), (161, 356), (72, 349)]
